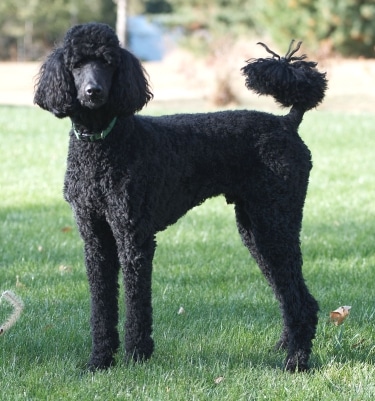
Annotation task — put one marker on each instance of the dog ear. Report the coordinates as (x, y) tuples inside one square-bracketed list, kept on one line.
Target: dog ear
[(130, 88), (55, 90)]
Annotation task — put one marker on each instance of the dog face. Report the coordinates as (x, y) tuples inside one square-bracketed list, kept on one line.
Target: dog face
[(91, 71), (93, 81)]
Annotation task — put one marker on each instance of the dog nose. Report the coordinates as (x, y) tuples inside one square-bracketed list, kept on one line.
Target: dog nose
[(93, 90)]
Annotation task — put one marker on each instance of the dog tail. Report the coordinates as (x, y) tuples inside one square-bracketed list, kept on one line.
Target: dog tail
[(290, 80)]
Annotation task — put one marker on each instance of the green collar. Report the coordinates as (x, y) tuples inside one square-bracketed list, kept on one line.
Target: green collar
[(94, 137)]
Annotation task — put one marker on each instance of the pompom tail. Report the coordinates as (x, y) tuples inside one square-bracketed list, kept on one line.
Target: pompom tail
[(290, 80)]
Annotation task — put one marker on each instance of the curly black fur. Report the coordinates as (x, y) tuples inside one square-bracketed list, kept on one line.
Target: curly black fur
[(132, 176), (56, 91), (290, 80)]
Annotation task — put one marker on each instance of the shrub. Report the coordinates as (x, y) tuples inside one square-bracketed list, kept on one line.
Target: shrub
[(344, 26)]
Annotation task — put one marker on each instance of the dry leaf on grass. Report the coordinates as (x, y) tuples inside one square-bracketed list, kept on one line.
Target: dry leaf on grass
[(65, 269), (181, 311), (18, 282), (340, 314)]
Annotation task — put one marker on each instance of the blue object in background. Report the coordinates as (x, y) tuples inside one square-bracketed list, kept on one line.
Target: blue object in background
[(145, 38)]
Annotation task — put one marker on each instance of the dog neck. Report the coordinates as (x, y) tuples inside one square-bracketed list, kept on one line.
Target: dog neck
[(92, 125), (87, 136)]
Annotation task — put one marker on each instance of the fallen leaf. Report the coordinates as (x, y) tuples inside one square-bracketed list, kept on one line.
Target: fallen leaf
[(66, 229), (219, 379), (340, 314), (65, 269), (18, 282), (181, 311)]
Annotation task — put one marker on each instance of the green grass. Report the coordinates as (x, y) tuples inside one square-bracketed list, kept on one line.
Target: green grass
[(231, 319)]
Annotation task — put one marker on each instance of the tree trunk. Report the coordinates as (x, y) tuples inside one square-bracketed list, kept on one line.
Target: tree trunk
[(121, 21)]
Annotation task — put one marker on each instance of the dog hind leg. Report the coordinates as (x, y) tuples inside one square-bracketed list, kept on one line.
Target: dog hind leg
[(273, 241)]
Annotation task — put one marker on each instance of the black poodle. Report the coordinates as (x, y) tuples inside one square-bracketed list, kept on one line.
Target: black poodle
[(129, 177)]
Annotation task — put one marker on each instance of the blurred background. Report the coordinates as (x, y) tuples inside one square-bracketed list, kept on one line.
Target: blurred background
[(196, 48)]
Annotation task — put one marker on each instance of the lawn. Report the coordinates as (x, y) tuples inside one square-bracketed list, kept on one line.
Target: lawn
[(220, 348)]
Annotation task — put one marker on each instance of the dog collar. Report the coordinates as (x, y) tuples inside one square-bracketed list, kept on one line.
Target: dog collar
[(94, 137)]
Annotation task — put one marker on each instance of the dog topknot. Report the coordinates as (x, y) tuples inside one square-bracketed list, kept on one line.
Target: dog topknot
[(92, 40)]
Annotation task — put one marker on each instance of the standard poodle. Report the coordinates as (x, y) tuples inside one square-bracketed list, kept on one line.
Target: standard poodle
[(129, 176)]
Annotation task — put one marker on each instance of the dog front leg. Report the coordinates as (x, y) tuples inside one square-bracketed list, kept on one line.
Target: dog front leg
[(137, 267), (102, 268)]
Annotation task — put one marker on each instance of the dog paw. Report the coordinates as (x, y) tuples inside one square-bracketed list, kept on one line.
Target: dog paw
[(141, 352), (99, 363), (296, 363)]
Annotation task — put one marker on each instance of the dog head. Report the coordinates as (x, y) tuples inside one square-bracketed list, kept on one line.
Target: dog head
[(91, 71)]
